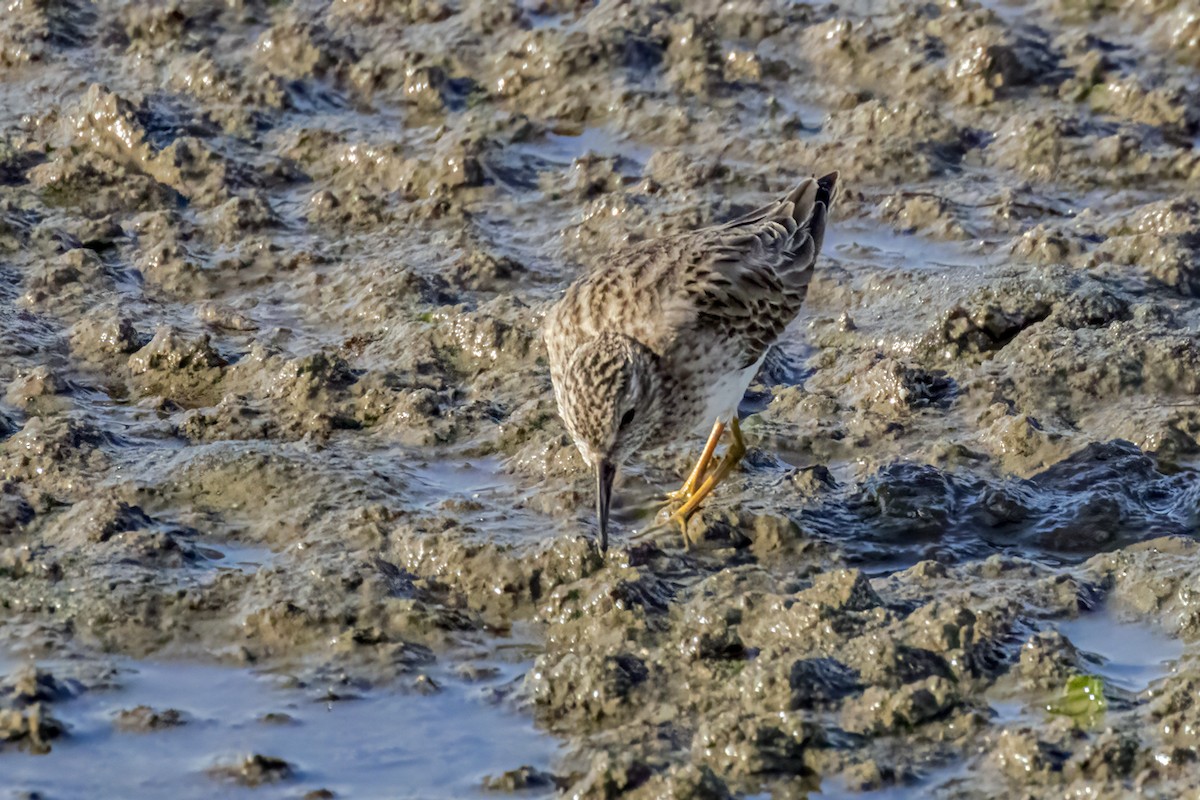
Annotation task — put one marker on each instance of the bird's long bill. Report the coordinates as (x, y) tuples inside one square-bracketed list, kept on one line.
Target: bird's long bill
[(605, 472)]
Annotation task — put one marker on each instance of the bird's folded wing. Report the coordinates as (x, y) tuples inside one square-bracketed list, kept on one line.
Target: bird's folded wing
[(748, 278)]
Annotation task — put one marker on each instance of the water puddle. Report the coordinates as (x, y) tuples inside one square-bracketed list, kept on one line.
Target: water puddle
[(381, 744), (562, 149), (1005, 712), (460, 478), (242, 558), (882, 247), (1129, 655), (597, 141), (480, 493), (937, 777), (1011, 11)]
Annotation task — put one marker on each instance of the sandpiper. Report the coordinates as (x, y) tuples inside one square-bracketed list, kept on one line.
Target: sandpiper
[(665, 338)]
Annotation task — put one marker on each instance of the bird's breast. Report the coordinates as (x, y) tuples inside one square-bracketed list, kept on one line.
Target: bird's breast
[(724, 393), (702, 389)]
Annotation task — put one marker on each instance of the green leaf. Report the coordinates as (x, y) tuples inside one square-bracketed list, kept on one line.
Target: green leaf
[(1083, 701)]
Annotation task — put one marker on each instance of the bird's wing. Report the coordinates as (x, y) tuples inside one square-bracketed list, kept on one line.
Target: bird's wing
[(749, 277)]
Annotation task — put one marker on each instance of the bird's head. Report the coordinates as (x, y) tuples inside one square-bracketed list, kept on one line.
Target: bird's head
[(609, 399)]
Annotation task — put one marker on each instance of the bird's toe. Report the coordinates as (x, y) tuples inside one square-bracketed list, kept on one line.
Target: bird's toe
[(682, 521)]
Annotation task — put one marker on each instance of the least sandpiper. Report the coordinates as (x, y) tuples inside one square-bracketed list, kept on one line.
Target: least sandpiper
[(666, 336)]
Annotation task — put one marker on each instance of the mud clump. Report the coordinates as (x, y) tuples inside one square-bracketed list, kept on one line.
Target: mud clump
[(30, 728), (144, 719), (519, 780), (26, 720), (252, 771)]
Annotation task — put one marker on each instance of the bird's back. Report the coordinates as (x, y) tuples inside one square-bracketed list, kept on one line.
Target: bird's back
[(730, 288)]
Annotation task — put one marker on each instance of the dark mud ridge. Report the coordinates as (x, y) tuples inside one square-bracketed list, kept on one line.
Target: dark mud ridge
[(276, 433)]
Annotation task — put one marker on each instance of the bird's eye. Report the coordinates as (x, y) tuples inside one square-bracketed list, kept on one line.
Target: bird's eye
[(627, 418)]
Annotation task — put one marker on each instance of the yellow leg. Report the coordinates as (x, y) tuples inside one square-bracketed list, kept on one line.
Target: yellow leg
[(693, 482), (732, 456)]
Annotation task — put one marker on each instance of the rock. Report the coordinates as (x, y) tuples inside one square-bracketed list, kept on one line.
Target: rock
[(144, 719), (31, 728), (519, 780), (252, 771), (878, 711)]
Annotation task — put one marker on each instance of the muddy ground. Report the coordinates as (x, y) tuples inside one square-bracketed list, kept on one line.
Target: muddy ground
[(274, 394)]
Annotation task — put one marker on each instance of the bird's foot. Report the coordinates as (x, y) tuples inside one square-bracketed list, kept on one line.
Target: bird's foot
[(684, 493), (679, 496), (681, 519), (660, 530), (705, 466), (721, 468)]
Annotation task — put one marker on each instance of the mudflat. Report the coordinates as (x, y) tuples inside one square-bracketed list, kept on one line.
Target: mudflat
[(285, 502)]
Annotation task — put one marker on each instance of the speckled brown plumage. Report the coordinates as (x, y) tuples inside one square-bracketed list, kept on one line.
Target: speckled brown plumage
[(667, 335)]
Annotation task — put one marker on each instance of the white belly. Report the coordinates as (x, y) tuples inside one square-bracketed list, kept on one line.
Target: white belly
[(725, 395)]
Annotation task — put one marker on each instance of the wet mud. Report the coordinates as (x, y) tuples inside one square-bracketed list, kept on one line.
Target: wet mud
[(275, 410)]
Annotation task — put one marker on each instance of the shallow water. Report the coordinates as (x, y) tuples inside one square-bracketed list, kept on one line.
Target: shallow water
[(245, 558), (935, 778), (877, 246), (461, 478), (372, 744), (1129, 655), (564, 148)]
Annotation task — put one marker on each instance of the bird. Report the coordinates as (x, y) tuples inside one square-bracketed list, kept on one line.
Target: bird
[(664, 337)]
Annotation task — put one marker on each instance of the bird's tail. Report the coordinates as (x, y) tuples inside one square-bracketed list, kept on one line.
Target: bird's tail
[(827, 189), (808, 205), (815, 212)]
